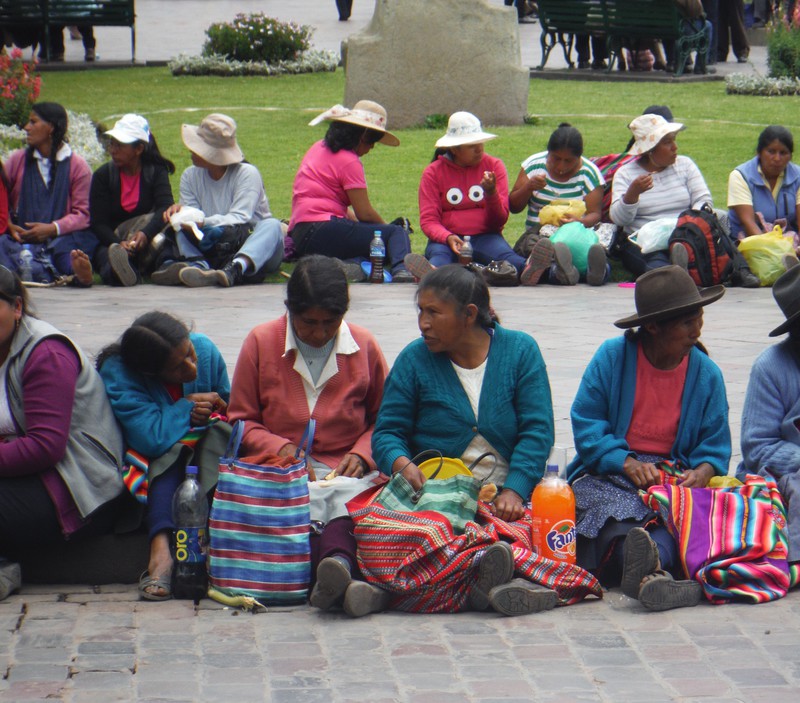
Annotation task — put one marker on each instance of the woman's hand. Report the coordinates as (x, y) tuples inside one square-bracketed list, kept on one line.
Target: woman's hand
[(568, 217), (38, 232), (697, 477), (204, 405), (642, 475), (352, 465), (537, 182), (508, 505), (137, 243), (455, 243), (16, 232), (171, 210), (638, 185), (411, 472), (489, 183)]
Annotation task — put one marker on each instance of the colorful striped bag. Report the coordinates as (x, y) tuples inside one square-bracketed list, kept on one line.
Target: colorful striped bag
[(259, 527)]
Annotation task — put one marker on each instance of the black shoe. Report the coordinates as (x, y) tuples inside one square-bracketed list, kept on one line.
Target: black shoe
[(745, 278), (583, 65), (599, 65), (233, 275)]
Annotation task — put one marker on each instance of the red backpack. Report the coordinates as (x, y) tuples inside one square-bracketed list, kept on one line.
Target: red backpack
[(710, 250)]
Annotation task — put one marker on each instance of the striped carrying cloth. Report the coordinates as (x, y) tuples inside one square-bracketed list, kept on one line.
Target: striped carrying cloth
[(259, 527), (732, 540), (430, 569)]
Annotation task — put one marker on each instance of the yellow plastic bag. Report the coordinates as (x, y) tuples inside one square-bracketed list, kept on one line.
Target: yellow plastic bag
[(764, 254), (551, 214)]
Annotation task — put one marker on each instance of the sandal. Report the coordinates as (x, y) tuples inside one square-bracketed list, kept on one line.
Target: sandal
[(660, 591), (147, 581), (639, 558)]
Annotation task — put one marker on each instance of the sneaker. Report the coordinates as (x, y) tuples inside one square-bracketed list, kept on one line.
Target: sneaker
[(230, 275), (538, 262), (333, 578), (790, 261), (639, 559), (566, 273), (662, 592), (496, 567), (10, 578), (596, 266), (678, 256), (196, 277), (169, 274), (121, 265), (363, 598), (745, 278), (353, 271), (418, 265), (403, 275), (521, 597)]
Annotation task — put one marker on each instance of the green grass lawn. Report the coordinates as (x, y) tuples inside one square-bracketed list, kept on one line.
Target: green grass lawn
[(273, 113)]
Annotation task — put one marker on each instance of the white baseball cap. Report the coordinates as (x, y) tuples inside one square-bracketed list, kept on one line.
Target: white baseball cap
[(130, 128)]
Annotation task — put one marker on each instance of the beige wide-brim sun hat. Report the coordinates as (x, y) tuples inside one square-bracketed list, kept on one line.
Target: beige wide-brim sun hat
[(213, 140), (463, 128), (649, 130), (365, 113), (667, 292)]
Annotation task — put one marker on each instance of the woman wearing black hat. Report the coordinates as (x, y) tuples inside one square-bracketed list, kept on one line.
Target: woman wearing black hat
[(771, 413), (649, 396)]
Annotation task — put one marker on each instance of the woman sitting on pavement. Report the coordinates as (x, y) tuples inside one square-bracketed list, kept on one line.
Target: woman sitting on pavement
[(331, 210), (241, 241), (562, 173), (49, 201), (127, 202), (467, 387), (463, 192), (767, 186), (62, 450), (650, 396), (165, 385), (311, 364)]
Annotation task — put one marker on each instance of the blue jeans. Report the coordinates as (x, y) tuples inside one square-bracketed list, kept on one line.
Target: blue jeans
[(346, 239), (486, 248)]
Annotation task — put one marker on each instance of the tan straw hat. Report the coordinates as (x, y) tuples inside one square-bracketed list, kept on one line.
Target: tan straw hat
[(365, 113), (649, 130), (667, 292), (214, 140), (463, 128)]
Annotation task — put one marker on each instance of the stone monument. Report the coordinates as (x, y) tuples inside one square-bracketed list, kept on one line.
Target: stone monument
[(424, 57)]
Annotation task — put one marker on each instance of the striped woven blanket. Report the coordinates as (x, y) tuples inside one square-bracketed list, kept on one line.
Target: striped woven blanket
[(430, 569), (732, 540)]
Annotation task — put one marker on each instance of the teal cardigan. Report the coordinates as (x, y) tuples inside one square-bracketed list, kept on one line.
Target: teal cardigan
[(601, 413), (425, 407)]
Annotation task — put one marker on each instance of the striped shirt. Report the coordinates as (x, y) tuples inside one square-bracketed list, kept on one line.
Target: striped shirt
[(578, 187)]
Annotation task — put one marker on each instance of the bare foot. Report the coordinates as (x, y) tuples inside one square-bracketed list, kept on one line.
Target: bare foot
[(81, 267), (160, 564)]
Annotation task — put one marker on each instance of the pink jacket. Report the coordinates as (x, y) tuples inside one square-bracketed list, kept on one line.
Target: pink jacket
[(80, 179)]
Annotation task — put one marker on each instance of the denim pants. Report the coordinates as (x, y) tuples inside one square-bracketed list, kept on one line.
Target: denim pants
[(485, 247), (346, 239)]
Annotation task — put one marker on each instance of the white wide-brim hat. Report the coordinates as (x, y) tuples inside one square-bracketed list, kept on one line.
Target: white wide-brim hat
[(365, 113), (649, 130), (463, 128), (213, 140), (130, 128)]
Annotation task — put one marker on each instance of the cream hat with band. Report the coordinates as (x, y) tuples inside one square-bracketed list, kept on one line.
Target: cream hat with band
[(130, 128), (213, 140), (463, 128), (649, 130), (365, 113)]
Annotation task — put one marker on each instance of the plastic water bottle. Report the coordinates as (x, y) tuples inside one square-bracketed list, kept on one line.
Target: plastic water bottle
[(553, 517), (190, 540), (26, 263), (377, 253), (465, 253)]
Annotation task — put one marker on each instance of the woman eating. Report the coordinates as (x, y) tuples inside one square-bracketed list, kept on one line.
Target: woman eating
[(127, 201), (648, 397), (331, 210), (311, 364)]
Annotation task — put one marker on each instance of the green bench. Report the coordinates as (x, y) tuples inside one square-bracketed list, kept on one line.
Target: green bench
[(47, 14), (620, 21)]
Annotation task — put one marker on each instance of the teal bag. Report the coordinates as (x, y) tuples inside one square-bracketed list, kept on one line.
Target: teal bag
[(579, 239)]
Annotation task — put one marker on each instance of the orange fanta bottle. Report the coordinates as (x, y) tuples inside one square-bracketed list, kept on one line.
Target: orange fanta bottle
[(553, 517)]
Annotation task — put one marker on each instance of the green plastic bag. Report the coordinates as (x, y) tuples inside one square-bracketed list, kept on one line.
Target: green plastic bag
[(764, 254), (579, 239)]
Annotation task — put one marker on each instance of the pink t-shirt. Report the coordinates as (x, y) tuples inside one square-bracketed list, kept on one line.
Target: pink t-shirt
[(129, 191), (321, 184), (656, 407)]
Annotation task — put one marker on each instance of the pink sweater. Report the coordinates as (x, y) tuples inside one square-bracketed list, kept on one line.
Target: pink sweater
[(451, 200), (80, 178), (268, 394)]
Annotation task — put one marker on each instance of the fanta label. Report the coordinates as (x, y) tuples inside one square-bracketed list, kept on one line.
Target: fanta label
[(561, 539)]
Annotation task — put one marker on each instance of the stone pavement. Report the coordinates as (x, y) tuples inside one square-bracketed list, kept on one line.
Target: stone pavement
[(94, 645)]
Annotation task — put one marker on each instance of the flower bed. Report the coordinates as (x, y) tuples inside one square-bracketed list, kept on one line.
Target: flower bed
[(218, 65), (81, 136), (743, 84)]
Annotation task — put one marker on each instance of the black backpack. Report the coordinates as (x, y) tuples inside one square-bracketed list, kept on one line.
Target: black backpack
[(712, 255)]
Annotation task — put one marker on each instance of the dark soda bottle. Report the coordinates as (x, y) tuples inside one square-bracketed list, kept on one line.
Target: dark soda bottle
[(377, 253), (465, 254), (190, 539)]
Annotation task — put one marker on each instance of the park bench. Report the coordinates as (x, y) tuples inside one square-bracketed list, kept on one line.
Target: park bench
[(621, 22), (48, 14)]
